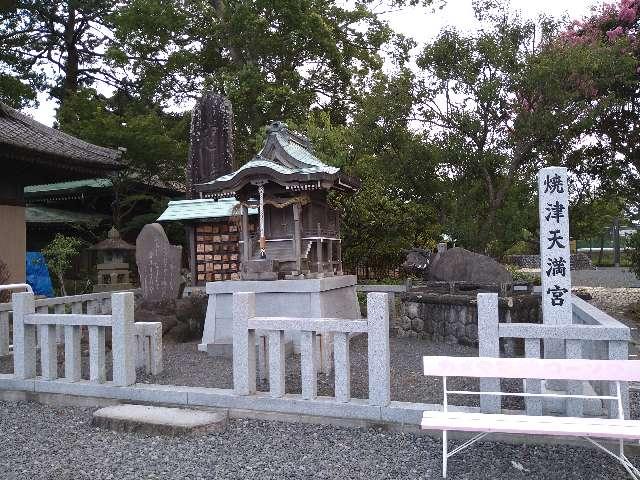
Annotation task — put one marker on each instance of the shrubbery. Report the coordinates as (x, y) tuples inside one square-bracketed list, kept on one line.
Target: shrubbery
[(634, 243)]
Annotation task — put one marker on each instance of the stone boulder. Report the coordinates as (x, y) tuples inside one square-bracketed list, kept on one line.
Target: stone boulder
[(460, 265), (417, 261), (163, 312)]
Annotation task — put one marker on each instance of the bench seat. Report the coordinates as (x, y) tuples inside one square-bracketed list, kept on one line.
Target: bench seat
[(532, 425)]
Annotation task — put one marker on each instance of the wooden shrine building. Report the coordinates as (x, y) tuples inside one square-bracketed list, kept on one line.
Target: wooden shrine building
[(298, 234), (31, 154)]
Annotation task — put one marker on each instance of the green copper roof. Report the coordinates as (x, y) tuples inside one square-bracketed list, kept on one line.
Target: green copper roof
[(286, 158), (282, 169), (198, 209), (45, 215), (302, 154), (74, 185)]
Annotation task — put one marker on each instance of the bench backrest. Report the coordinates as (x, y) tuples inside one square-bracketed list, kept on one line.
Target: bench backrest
[(534, 368)]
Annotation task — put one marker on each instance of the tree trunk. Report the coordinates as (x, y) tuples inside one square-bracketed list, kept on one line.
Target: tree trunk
[(600, 256), (63, 290), (72, 63)]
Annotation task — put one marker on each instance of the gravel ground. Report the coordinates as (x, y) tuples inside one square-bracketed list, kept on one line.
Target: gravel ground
[(58, 443), (611, 277), (616, 301), (185, 365)]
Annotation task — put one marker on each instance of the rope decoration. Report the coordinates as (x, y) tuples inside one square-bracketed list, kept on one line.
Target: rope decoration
[(236, 211)]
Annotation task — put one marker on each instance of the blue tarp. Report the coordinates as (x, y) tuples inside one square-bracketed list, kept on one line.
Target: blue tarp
[(38, 274)]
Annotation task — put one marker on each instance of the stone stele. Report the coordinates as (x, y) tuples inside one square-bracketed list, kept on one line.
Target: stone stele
[(158, 264), (460, 265)]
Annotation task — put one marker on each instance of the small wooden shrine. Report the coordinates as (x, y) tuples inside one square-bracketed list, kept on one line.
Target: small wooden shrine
[(298, 233)]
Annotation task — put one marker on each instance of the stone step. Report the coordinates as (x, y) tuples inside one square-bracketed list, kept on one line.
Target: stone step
[(158, 420)]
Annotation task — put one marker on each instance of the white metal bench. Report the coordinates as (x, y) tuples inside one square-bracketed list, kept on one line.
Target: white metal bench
[(533, 368)]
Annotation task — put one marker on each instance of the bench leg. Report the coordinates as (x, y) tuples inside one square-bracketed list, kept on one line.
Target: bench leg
[(445, 455), (622, 458)]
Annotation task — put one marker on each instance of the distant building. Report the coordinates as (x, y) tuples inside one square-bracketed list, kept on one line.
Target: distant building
[(31, 154), (78, 206)]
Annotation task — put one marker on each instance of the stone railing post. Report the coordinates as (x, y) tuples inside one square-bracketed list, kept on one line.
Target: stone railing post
[(5, 341), (378, 349), (24, 336), (308, 370), (342, 367), (244, 344), (619, 350), (489, 346), (149, 346), (533, 385), (123, 339)]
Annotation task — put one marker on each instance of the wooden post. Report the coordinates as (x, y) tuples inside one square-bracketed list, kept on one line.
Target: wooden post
[(246, 248), (297, 236), (191, 239), (319, 251)]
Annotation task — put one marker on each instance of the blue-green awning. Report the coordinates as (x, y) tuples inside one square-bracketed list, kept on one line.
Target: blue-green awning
[(200, 209), (44, 215)]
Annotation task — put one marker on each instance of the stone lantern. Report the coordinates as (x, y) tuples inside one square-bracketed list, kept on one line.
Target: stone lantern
[(113, 265)]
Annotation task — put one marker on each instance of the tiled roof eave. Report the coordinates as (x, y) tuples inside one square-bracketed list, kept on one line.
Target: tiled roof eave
[(28, 138), (13, 152)]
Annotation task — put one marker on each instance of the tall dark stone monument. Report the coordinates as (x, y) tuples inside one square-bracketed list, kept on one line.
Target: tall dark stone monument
[(211, 142)]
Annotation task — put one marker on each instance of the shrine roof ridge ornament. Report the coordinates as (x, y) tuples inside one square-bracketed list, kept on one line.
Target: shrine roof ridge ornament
[(286, 158)]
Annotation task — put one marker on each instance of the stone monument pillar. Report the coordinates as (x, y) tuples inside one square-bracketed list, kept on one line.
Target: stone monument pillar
[(554, 246), (158, 265), (211, 141), (555, 255)]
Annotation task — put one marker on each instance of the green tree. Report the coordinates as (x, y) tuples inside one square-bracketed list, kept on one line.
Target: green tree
[(60, 254), (585, 82), (274, 60), (56, 46), (468, 101), (634, 243), (395, 207), (156, 142)]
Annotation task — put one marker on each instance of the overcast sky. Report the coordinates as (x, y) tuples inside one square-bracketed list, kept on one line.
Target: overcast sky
[(421, 24)]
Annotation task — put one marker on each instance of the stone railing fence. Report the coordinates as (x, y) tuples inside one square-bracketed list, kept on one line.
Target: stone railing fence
[(27, 319), (148, 335), (245, 328), (592, 335), (90, 303)]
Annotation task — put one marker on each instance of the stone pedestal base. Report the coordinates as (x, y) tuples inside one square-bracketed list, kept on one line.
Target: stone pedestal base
[(259, 270), (333, 297)]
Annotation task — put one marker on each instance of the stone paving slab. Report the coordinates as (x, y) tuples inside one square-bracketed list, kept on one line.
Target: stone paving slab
[(158, 420)]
